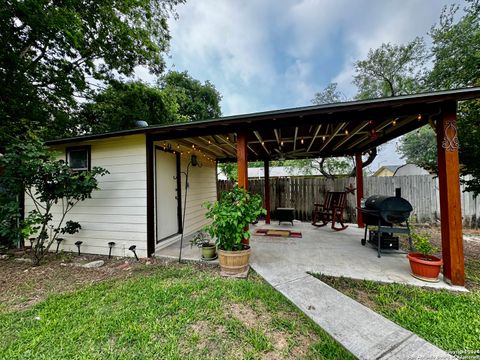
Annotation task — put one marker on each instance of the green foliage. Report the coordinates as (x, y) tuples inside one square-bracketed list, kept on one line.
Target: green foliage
[(51, 52), (171, 313), (329, 95), (196, 101), (29, 166), (391, 70), (121, 104), (420, 148), (229, 170), (231, 216), (422, 243)]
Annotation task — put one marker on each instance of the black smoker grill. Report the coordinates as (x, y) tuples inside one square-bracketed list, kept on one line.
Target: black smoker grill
[(390, 214)]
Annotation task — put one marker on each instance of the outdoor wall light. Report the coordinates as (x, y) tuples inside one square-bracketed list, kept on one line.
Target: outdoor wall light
[(59, 240), (78, 243), (132, 249), (111, 244)]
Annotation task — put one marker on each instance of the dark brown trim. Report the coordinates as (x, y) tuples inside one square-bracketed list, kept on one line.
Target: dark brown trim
[(178, 177), (77, 148), (256, 120), (150, 197)]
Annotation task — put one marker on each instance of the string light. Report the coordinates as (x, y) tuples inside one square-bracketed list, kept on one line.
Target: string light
[(394, 122), (281, 143), (323, 137), (301, 141), (419, 117), (346, 132)]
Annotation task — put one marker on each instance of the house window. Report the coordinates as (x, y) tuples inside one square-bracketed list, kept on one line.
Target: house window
[(78, 158)]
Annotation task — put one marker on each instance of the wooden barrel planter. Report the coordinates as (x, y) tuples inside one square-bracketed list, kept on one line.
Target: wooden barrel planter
[(234, 262)]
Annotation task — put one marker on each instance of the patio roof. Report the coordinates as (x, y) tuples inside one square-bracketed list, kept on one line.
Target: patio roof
[(314, 131)]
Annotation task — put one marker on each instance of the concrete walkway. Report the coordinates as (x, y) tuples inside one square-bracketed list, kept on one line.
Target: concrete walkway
[(363, 332)]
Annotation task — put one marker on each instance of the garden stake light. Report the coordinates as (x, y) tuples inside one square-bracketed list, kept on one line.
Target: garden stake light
[(111, 244), (78, 243), (59, 240), (132, 249)]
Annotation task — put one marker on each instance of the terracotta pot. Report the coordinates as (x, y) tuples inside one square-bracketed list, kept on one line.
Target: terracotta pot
[(234, 262), (209, 252), (425, 267)]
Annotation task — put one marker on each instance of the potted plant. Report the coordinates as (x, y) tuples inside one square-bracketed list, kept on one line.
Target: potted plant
[(425, 266), (202, 241), (231, 216)]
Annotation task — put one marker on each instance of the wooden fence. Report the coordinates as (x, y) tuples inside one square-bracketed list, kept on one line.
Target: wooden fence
[(420, 190)]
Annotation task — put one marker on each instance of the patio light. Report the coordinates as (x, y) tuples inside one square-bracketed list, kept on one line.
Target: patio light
[(78, 243), (419, 117), (111, 244), (132, 249), (59, 240)]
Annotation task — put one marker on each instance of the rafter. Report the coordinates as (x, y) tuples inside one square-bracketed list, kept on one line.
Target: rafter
[(257, 134), (354, 132), (334, 133), (295, 139), (314, 137)]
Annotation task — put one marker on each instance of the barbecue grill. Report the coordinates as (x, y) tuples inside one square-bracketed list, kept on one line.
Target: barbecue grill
[(390, 214)]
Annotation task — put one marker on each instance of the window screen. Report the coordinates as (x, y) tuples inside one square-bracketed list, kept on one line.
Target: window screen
[(79, 158)]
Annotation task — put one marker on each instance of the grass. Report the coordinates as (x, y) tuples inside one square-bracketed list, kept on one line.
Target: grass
[(447, 319), (169, 312)]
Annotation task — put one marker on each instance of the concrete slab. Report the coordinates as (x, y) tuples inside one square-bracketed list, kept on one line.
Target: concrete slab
[(366, 334)]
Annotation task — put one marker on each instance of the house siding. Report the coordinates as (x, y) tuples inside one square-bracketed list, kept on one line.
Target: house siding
[(116, 212)]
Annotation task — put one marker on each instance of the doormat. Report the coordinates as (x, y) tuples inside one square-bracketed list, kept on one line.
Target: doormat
[(278, 233)]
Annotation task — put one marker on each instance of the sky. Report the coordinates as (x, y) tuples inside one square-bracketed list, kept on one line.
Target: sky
[(273, 54)]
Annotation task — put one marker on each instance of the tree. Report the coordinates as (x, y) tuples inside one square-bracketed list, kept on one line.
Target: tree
[(195, 100), (424, 139), (391, 70), (329, 95), (456, 63), (121, 104), (48, 182), (52, 52)]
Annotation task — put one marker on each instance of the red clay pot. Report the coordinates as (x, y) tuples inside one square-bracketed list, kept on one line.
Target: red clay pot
[(425, 267)]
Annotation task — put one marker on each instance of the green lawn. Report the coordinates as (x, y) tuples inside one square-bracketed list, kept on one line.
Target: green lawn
[(447, 319), (171, 312)]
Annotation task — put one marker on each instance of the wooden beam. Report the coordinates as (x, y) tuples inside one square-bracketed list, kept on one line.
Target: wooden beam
[(334, 133), (354, 132), (266, 165), (277, 136), (198, 146), (251, 149), (314, 137), (257, 134), (359, 179), (449, 188), (366, 138), (295, 139), (242, 160), (213, 144)]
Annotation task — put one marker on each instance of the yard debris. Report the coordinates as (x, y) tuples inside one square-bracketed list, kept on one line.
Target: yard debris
[(94, 264), (25, 260), (124, 266), (4, 257)]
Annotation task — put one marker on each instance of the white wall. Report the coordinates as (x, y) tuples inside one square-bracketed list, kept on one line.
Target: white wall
[(203, 187), (116, 212)]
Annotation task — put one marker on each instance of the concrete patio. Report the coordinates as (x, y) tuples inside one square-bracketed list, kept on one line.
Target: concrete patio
[(320, 250)]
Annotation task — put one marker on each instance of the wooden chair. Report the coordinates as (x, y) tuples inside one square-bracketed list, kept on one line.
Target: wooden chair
[(331, 210)]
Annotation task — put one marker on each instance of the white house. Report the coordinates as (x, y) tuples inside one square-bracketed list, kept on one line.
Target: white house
[(118, 211)]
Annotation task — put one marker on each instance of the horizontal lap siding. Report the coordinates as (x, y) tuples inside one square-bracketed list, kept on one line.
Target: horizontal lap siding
[(116, 212), (202, 188)]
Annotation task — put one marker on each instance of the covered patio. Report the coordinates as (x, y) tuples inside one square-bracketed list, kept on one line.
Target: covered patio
[(319, 250), (344, 129)]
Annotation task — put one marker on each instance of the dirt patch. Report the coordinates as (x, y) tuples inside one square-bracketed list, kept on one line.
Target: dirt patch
[(23, 285), (248, 316)]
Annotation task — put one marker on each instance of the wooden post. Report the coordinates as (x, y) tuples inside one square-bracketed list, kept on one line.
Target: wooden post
[(242, 166), (242, 160), (359, 179), (266, 165), (450, 206)]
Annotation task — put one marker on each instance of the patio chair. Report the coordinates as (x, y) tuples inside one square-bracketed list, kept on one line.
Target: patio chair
[(331, 210)]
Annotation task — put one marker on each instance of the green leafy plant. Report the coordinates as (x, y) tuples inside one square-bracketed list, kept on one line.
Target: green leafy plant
[(231, 216), (51, 185), (422, 243)]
